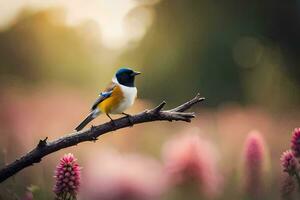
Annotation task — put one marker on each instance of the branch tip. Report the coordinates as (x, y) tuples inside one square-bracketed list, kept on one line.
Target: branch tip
[(199, 97), (159, 107), (188, 104), (42, 143)]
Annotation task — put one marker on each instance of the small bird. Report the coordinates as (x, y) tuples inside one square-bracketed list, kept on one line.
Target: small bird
[(116, 98)]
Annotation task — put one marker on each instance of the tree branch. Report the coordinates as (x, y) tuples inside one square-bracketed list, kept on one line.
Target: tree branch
[(44, 148)]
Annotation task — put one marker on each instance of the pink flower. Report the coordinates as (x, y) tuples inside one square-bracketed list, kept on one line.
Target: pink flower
[(295, 143), (67, 175), (289, 162), (113, 176), (254, 160), (190, 159), (288, 187)]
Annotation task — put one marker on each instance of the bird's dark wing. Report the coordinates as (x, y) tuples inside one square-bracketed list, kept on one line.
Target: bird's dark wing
[(104, 95)]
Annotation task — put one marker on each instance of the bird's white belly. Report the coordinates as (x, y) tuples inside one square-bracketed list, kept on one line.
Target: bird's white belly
[(129, 94)]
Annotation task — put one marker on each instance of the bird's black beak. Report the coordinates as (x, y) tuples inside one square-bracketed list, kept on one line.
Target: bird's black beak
[(136, 73)]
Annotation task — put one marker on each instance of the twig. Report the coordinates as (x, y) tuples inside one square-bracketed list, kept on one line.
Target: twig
[(44, 148)]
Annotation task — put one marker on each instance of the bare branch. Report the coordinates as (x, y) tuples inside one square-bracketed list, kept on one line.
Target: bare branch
[(159, 107), (188, 104), (44, 148)]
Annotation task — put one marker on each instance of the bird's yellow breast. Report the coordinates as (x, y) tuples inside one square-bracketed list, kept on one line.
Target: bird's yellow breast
[(111, 102)]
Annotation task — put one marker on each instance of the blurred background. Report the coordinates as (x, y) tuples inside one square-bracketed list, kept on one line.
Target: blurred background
[(243, 56)]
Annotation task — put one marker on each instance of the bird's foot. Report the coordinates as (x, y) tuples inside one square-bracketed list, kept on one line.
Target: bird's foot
[(128, 116), (113, 122)]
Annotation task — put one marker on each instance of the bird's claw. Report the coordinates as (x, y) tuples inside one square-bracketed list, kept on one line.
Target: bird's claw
[(130, 120), (128, 116), (113, 122)]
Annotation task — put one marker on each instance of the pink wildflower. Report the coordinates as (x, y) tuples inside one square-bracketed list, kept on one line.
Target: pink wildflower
[(67, 175), (254, 158), (287, 187), (295, 142), (289, 162), (190, 159)]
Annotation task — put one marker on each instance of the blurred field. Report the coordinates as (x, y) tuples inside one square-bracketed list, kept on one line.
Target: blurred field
[(56, 56)]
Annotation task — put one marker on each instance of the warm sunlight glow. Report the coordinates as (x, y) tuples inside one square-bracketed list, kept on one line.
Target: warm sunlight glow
[(121, 22)]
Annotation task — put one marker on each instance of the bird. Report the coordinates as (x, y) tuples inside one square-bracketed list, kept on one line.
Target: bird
[(118, 96)]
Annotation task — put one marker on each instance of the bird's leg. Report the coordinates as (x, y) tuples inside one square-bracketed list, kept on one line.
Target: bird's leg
[(129, 118), (112, 121)]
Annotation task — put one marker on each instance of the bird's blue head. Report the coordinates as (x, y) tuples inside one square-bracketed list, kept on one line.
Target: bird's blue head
[(125, 76)]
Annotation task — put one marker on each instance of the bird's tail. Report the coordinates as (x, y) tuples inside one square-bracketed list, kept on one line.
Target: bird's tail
[(87, 120)]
